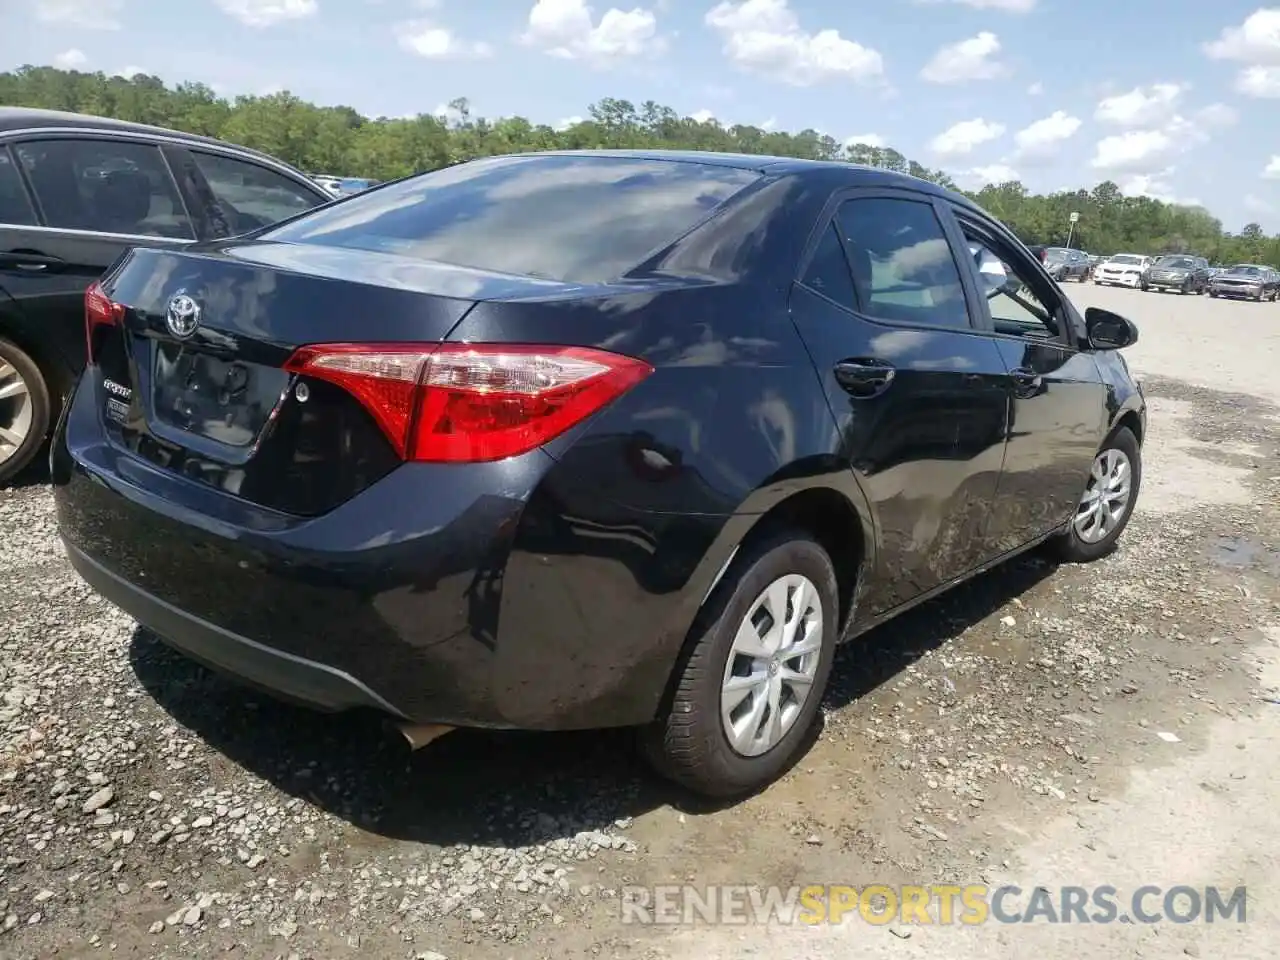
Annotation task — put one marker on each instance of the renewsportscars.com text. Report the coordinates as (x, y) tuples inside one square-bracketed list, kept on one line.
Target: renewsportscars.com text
[(934, 904)]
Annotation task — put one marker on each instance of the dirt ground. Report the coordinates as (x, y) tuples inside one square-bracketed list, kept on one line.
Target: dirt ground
[(1116, 723)]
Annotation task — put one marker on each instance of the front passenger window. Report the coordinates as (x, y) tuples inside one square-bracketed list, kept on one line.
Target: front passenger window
[(903, 267), (1015, 308)]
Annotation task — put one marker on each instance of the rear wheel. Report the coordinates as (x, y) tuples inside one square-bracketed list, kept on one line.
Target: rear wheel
[(24, 410), (1108, 500), (749, 685)]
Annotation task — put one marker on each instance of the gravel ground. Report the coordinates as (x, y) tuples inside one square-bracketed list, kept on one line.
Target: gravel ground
[(150, 808)]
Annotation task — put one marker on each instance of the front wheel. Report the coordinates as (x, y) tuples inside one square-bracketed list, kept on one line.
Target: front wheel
[(1108, 500), (749, 684)]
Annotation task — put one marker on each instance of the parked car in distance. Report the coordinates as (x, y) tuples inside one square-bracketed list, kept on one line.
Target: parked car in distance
[(1065, 264), (1246, 281), (1185, 274), (75, 193), (329, 184), (1122, 270), (638, 469)]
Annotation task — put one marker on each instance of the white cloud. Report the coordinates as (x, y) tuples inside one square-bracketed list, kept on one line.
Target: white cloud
[(1141, 106), (1156, 185), (447, 113), (70, 59), (770, 124), (1035, 89), (434, 42), (1255, 41), (1256, 44), (85, 14), (129, 72), (978, 177), (765, 36), (566, 123), (1261, 82), (564, 28), (971, 59), (1043, 137), (1218, 115), (965, 136), (702, 116), (268, 13), (1272, 169), (1134, 150), (866, 140), (1257, 204)]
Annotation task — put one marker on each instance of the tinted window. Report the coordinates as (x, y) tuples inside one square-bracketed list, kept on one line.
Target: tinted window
[(580, 219), (902, 264), (15, 205), (828, 271), (253, 196), (101, 185)]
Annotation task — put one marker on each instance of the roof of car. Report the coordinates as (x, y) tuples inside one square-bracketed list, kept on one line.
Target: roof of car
[(764, 163), (28, 118)]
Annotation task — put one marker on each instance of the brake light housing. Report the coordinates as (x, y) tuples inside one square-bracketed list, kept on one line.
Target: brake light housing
[(471, 402), (100, 312)]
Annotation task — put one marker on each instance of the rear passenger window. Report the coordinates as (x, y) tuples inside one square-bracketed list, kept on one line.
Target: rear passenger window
[(252, 195), (104, 186), (15, 205), (903, 267), (828, 271)]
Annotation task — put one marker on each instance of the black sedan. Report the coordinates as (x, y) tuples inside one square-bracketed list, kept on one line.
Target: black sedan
[(75, 193), (1246, 281), (588, 439)]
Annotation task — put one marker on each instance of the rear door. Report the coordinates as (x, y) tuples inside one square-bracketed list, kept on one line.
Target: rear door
[(95, 197), (1057, 399), (916, 390)]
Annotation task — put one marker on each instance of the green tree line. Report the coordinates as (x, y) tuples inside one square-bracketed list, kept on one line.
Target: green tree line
[(340, 140)]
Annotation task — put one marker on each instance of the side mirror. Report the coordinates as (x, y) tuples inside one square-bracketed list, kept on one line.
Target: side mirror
[(1109, 331)]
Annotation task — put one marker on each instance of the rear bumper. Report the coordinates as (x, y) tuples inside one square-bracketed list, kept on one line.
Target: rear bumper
[(284, 675), (503, 595), (1237, 293)]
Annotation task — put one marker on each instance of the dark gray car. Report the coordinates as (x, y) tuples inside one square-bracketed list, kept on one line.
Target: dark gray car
[(1063, 264), (1180, 272)]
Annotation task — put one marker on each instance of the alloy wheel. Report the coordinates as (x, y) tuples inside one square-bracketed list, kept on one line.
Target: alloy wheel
[(1106, 499), (16, 410), (772, 665)]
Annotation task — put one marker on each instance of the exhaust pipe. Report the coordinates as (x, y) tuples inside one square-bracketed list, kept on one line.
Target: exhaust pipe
[(419, 735)]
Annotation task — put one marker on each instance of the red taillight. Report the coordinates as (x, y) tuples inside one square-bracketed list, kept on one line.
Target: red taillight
[(468, 402), (99, 311)]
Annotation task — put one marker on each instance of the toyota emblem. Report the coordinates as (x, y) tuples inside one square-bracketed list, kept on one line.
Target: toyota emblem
[(182, 316)]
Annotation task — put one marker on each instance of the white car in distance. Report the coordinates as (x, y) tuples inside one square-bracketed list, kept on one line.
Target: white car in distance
[(1122, 270)]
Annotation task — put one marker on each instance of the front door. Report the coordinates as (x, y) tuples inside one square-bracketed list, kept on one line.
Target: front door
[(1057, 399), (95, 197), (916, 391)]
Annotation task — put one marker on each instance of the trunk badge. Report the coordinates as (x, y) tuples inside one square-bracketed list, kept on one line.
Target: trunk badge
[(182, 316)]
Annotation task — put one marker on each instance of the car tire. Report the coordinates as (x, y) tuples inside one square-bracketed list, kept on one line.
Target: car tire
[(27, 411), (689, 743), (1213, 294), (1071, 546)]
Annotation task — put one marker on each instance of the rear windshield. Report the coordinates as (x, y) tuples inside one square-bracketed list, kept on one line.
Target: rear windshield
[(566, 218)]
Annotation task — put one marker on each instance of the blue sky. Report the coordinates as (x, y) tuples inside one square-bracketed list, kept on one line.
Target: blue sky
[(1174, 99)]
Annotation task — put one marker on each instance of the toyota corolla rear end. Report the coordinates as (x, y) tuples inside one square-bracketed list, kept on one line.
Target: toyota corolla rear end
[(313, 460)]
